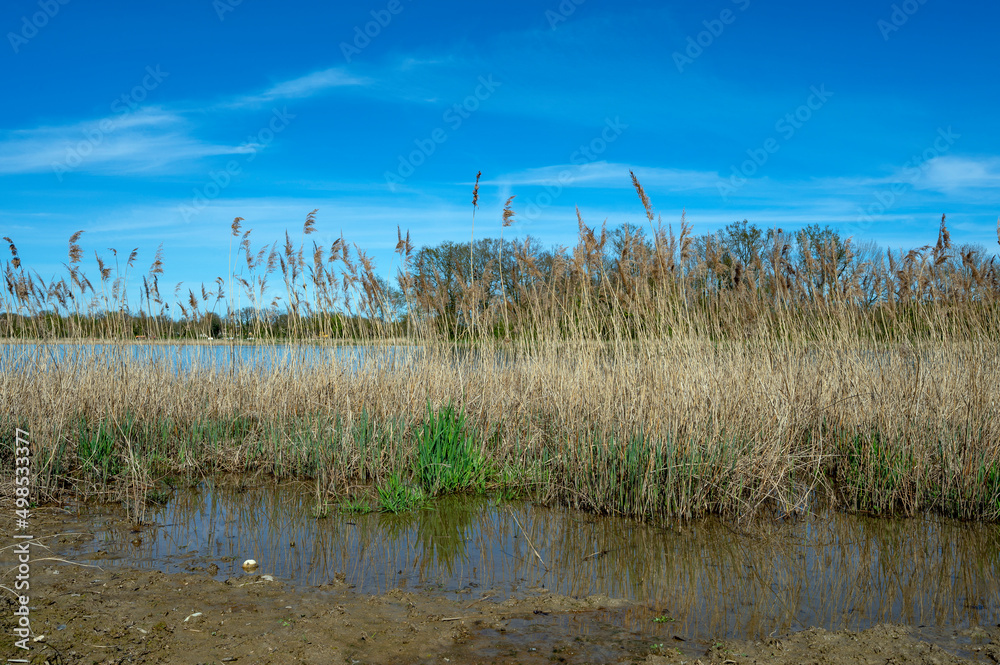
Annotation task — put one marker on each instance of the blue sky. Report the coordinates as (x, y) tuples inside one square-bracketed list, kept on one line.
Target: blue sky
[(161, 121)]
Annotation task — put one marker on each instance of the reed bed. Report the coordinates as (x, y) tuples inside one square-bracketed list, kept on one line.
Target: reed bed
[(654, 376)]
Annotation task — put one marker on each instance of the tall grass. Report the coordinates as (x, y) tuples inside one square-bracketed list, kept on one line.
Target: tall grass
[(448, 459), (672, 376)]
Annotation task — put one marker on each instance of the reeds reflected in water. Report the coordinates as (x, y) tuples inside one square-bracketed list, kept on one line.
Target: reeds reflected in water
[(832, 570)]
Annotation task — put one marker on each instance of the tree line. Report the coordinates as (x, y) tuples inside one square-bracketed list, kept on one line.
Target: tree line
[(630, 279)]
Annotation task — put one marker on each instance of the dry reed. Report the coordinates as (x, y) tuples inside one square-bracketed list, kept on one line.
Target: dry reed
[(666, 378)]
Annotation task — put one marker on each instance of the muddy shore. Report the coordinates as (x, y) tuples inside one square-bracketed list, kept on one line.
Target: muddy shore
[(91, 610)]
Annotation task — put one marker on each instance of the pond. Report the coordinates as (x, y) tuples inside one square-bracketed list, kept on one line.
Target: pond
[(705, 579)]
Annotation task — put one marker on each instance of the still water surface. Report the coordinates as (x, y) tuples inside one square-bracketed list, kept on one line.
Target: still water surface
[(707, 578), (184, 357)]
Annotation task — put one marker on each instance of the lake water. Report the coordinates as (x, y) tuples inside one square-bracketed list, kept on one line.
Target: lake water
[(219, 356)]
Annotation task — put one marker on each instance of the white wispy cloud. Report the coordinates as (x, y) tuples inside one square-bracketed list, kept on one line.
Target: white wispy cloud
[(146, 139), (952, 175), (302, 87), (608, 175), (409, 63), (945, 174)]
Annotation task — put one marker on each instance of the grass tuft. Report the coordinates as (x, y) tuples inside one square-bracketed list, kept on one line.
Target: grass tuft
[(447, 456)]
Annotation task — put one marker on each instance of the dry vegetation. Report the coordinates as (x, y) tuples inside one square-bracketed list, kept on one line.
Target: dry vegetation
[(668, 376)]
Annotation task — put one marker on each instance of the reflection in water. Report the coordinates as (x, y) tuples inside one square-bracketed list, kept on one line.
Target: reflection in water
[(835, 571)]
